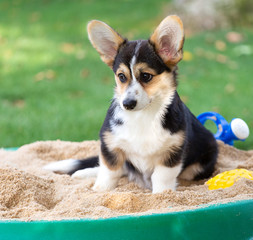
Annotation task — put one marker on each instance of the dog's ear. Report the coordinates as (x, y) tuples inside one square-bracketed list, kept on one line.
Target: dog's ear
[(105, 40), (168, 40)]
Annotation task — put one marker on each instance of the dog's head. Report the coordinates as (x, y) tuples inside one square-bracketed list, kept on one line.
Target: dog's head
[(144, 69)]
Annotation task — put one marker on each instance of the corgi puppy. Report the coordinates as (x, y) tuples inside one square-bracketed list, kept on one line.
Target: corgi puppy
[(148, 133)]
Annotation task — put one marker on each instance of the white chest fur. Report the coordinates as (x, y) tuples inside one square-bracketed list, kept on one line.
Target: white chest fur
[(143, 139)]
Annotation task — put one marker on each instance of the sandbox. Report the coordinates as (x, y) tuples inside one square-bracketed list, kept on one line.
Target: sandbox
[(35, 202)]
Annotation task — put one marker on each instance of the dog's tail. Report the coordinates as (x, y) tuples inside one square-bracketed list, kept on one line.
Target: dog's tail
[(73, 167)]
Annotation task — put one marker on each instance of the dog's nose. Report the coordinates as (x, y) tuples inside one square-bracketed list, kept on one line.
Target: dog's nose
[(129, 104)]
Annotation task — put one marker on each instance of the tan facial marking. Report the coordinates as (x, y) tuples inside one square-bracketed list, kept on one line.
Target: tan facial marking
[(121, 87), (161, 85), (143, 67), (120, 155)]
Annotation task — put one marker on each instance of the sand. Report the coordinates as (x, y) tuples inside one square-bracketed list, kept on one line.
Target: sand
[(28, 192)]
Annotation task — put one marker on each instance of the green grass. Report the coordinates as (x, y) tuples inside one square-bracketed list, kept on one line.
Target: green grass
[(53, 84), (211, 82)]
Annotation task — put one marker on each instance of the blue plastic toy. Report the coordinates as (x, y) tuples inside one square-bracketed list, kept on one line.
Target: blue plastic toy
[(226, 132)]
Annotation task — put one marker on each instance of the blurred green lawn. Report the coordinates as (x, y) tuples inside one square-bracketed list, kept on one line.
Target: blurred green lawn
[(53, 84)]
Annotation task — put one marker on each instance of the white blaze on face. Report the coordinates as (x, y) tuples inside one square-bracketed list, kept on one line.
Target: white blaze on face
[(135, 91)]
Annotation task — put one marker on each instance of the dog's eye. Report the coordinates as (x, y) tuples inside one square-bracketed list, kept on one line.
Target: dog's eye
[(122, 77), (146, 77)]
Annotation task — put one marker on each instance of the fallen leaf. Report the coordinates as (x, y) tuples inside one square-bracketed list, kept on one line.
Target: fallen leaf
[(76, 94), (215, 109), (188, 56), (130, 34), (220, 45), (19, 103), (39, 76), (185, 99), (107, 80), (84, 73), (234, 37), (35, 16), (67, 48), (2, 40), (80, 54), (50, 74), (221, 58), (8, 54), (230, 88)]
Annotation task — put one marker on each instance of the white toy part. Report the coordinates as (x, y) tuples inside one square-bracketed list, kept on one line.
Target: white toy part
[(240, 128)]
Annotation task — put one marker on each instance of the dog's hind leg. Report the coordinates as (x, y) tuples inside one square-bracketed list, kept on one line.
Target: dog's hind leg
[(203, 168)]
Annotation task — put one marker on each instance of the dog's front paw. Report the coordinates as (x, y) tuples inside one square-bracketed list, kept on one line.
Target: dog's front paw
[(107, 179), (162, 188), (165, 178), (104, 186)]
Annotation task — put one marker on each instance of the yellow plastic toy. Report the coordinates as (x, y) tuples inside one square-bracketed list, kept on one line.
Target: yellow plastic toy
[(228, 178)]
